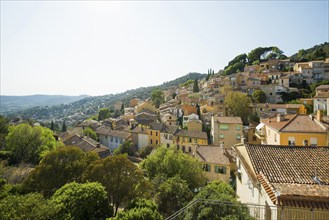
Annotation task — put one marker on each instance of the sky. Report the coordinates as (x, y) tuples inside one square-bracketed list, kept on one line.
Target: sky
[(107, 47)]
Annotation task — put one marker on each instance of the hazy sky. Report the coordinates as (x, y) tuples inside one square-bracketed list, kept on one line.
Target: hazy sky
[(97, 48)]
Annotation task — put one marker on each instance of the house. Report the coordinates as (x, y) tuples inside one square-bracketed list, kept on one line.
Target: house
[(169, 119), (283, 109), (112, 138), (194, 125), (88, 145), (215, 163), (273, 93), (299, 130), (291, 182), (154, 134), (139, 136), (284, 81), (226, 131), (187, 118), (188, 109), (146, 118), (187, 140), (320, 98), (147, 105)]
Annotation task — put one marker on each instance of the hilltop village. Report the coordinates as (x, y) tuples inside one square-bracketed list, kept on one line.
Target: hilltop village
[(253, 130)]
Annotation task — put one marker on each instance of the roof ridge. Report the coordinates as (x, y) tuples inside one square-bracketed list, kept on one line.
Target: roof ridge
[(293, 118)]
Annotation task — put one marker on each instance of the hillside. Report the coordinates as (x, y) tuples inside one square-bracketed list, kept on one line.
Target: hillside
[(318, 52), (84, 108), (11, 104)]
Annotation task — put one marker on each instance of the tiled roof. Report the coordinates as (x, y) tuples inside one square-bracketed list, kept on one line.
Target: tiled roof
[(228, 120), (163, 128), (322, 87), (322, 95), (192, 134), (104, 130), (290, 164), (211, 154), (295, 176), (272, 122), (303, 123), (139, 130), (88, 145)]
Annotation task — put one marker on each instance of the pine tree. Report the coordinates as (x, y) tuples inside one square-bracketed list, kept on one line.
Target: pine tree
[(64, 127), (52, 125), (196, 86)]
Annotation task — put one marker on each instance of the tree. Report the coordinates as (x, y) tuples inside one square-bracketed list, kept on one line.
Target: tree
[(145, 151), (120, 177), (173, 194), (29, 206), (57, 168), (52, 125), (64, 127), (259, 96), (222, 203), (157, 97), (90, 133), (140, 209), (103, 113), (165, 163), (196, 86), (29, 144), (4, 126), (81, 201), (126, 147), (238, 104)]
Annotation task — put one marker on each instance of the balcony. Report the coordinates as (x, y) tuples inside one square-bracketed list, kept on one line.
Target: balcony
[(260, 134)]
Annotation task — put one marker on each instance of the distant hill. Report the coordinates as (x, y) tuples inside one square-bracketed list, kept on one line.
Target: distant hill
[(88, 106), (10, 104)]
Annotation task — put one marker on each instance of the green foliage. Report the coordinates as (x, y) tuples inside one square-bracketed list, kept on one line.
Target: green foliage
[(103, 113), (253, 118), (236, 65), (318, 52), (238, 104), (264, 53), (126, 147), (140, 209), (168, 162), (81, 201), (172, 195), (187, 83), (289, 96), (119, 176), (52, 127), (30, 206), (157, 97), (195, 86), (90, 133), (225, 206), (29, 144), (314, 85), (259, 96), (64, 127), (145, 151), (57, 168)]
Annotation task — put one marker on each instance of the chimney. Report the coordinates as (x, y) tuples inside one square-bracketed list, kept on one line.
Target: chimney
[(279, 118), (319, 115)]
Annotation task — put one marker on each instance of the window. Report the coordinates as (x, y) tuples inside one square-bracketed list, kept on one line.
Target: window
[(291, 141), (111, 139), (221, 136), (314, 141), (275, 138), (183, 148), (151, 132), (189, 149), (220, 169), (190, 140), (116, 140), (156, 133), (238, 136), (177, 147), (195, 140), (223, 127), (151, 141), (206, 167), (169, 117), (156, 142), (168, 145), (238, 128)]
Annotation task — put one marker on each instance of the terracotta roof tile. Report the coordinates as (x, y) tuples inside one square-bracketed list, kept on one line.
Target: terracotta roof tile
[(228, 120), (212, 154)]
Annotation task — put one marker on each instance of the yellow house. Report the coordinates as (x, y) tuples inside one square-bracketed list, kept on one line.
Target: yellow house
[(299, 130), (188, 140), (279, 108), (194, 125), (154, 134), (216, 165)]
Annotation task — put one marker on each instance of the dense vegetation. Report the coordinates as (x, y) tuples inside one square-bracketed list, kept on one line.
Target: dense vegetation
[(318, 52)]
